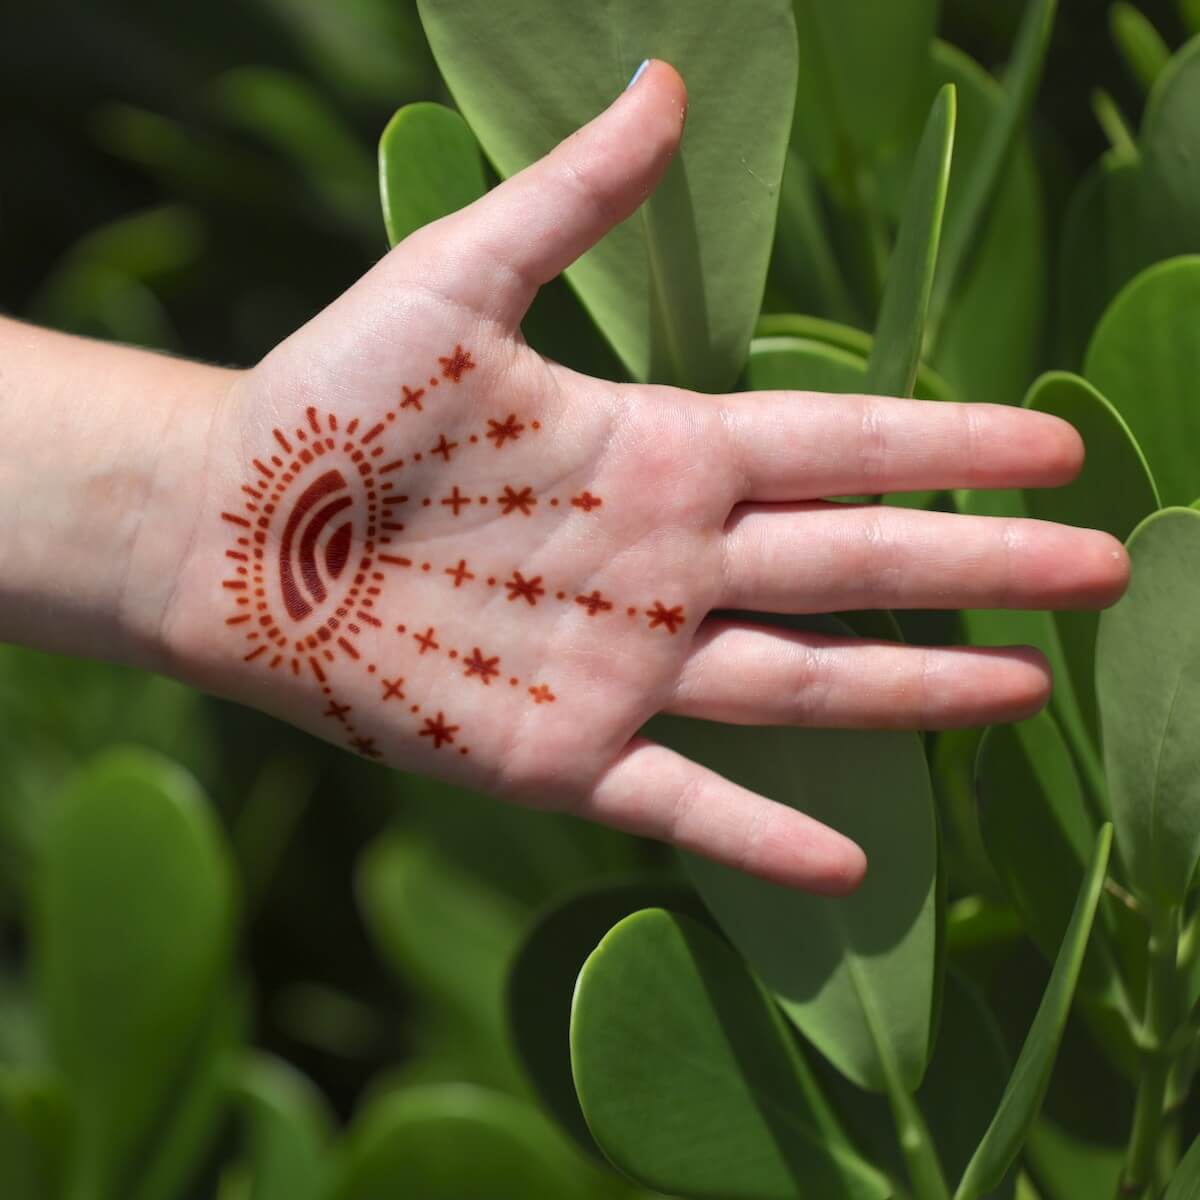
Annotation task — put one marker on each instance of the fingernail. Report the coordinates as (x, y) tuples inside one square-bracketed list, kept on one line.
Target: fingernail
[(638, 73)]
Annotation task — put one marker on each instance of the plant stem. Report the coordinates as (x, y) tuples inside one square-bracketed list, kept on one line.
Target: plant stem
[(1161, 1017), (920, 1157)]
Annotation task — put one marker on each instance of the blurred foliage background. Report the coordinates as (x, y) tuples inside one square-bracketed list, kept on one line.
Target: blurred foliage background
[(201, 178)]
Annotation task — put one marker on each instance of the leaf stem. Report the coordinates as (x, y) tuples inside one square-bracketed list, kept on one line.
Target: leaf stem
[(1161, 1016), (920, 1156)]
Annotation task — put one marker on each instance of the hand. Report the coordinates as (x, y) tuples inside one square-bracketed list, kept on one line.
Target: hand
[(422, 541)]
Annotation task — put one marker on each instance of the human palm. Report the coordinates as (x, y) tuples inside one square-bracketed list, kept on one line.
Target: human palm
[(424, 542)]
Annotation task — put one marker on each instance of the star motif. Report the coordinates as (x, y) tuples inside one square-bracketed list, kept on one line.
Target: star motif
[(443, 448), (337, 711), (503, 431), (459, 573), (512, 501), (521, 588), (438, 731), (670, 618), (391, 688), (365, 746), (586, 501), (412, 399), (542, 694), (485, 668), (427, 640), (455, 364), (594, 603)]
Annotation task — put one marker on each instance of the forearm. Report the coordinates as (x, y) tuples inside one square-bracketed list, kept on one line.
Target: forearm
[(101, 473)]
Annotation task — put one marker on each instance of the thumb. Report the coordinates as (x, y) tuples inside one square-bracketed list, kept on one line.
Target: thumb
[(526, 231)]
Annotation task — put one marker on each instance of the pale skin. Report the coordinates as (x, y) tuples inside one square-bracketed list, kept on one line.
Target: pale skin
[(135, 486)]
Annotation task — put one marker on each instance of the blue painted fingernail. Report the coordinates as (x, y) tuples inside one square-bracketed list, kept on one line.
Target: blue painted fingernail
[(638, 73)]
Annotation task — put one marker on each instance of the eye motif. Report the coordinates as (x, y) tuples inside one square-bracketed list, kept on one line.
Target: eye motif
[(317, 540)]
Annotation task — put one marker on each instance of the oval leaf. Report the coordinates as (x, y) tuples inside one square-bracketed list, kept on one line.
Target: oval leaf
[(689, 1078), (134, 916), (855, 974), (542, 978), (1113, 492), (1145, 358), (1148, 682), (676, 288), (429, 166), (1022, 1099)]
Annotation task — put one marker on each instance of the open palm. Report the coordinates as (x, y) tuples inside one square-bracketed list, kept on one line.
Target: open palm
[(427, 543)]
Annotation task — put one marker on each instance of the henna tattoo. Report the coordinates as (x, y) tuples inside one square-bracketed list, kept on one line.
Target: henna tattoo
[(313, 548)]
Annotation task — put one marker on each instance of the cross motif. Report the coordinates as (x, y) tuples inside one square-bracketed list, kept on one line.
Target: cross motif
[(443, 448), (412, 399), (513, 501), (437, 730), (586, 501), (365, 746), (456, 500), (427, 640), (502, 431), (528, 589), (542, 694), (485, 668), (391, 688), (594, 603), (459, 573), (337, 711), (455, 364)]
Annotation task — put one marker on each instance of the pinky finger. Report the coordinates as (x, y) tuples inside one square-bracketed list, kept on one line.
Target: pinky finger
[(654, 792)]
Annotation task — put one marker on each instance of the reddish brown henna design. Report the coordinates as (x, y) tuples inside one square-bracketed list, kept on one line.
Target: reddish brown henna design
[(477, 665), (504, 431), (514, 501), (669, 618), (520, 588), (444, 448), (594, 603), (458, 362), (438, 731), (456, 500), (427, 640), (586, 501), (412, 398), (392, 689), (365, 746), (542, 694), (460, 573)]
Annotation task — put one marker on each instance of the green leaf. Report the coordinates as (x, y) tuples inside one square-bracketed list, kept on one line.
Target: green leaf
[(35, 1135), (689, 1078), (288, 1126), (430, 165), (134, 923), (1113, 492), (676, 288), (900, 329), (1148, 682), (1139, 43), (840, 124), (1185, 1183), (1069, 1168), (541, 982), (966, 218), (929, 386), (1039, 835), (455, 1142), (855, 974), (1027, 1085), (1169, 218), (1145, 358), (1112, 120), (446, 931), (290, 115)]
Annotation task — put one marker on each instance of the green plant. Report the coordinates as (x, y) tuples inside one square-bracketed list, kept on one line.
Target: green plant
[(1009, 1007)]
